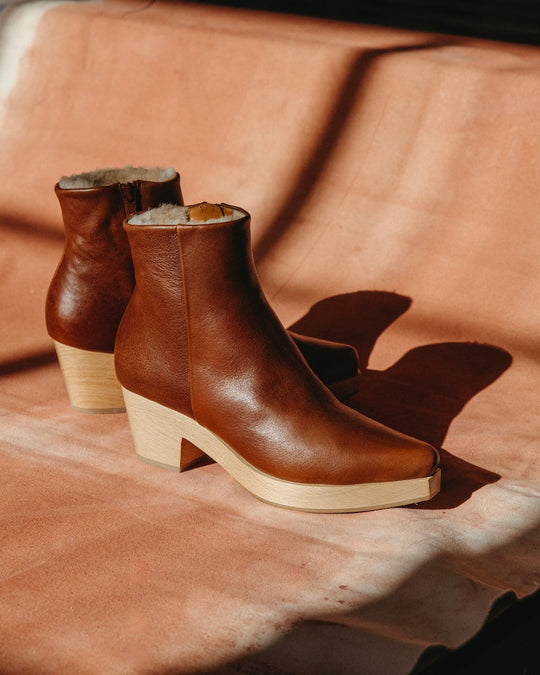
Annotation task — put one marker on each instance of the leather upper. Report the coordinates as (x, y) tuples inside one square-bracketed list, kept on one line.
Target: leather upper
[(198, 336), (94, 279)]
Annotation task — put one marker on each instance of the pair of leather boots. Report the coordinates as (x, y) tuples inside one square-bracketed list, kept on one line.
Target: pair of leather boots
[(200, 361)]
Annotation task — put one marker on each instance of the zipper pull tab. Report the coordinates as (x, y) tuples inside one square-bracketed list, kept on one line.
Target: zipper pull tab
[(131, 196)]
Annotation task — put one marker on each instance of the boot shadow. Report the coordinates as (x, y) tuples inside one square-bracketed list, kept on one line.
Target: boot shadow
[(356, 318), (423, 392), (419, 395)]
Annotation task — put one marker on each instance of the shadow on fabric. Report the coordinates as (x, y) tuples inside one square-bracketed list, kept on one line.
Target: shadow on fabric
[(366, 638), (20, 225), (29, 362), (421, 393), (354, 86), (357, 319)]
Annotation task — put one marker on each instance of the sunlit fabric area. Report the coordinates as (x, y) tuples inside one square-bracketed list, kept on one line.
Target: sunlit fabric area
[(392, 176)]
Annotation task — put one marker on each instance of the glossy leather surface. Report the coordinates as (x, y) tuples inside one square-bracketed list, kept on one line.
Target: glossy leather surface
[(94, 279), (198, 336)]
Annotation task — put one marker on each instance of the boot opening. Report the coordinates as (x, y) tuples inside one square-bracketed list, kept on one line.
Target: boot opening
[(169, 214), (126, 174)]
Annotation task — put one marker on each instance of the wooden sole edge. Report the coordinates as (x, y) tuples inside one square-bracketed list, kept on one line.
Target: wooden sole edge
[(158, 432)]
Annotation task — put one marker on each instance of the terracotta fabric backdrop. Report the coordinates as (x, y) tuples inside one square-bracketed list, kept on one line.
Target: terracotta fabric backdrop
[(393, 182)]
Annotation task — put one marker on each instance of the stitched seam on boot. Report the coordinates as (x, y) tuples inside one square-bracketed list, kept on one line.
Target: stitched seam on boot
[(186, 318)]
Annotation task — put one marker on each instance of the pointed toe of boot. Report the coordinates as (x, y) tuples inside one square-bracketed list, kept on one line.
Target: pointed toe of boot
[(414, 458), (427, 459)]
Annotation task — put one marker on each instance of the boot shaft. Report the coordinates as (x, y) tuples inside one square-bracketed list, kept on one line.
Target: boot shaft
[(186, 271), (94, 279)]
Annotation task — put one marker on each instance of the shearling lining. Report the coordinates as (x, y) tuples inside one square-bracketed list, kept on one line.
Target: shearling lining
[(126, 174), (169, 214)]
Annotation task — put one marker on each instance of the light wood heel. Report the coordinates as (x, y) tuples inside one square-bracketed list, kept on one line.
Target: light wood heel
[(90, 380), (158, 432)]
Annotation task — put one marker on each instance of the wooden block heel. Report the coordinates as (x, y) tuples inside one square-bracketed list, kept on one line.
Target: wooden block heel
[(158, 432), (90, 380)]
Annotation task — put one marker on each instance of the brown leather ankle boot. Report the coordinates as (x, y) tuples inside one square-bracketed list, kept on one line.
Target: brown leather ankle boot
[(201, 356), (94, 281)]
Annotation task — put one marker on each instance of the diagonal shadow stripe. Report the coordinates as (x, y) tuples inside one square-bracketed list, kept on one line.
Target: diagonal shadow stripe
[(30, 362), (10, 222), (354, 84)]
